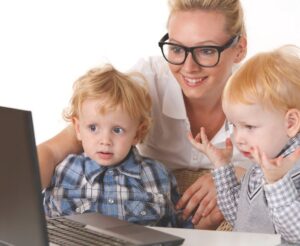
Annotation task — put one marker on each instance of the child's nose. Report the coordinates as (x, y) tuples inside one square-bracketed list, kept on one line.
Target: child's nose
[(105, 138)]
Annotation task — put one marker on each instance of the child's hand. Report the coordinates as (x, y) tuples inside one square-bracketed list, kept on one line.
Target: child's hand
[(219, 157), (275, 169)]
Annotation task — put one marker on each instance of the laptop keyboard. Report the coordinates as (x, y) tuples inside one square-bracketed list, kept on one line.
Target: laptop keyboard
[(66, 232)]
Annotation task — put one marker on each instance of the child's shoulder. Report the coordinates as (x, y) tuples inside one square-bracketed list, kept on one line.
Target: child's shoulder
[(72, 161), (147, 162)]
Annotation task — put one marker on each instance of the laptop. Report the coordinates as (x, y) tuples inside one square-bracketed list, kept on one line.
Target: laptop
[(22, 219)]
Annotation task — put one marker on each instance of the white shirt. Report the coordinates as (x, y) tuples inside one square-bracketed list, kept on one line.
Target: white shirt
[(167, 140)]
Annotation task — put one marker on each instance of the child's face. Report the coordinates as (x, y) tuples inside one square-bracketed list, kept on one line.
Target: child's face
[(106, 138), (255, 126)]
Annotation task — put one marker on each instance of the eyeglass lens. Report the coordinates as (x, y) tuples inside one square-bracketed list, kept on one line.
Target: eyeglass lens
[(205, 56)]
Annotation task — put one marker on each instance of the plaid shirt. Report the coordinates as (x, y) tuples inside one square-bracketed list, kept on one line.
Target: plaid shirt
[(283, 196), (139, 190)]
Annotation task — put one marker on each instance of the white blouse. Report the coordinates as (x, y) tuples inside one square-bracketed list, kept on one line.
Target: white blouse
[(167, 140)]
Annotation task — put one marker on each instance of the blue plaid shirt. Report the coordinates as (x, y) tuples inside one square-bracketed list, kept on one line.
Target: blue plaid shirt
[(283, 196), (139, 190)]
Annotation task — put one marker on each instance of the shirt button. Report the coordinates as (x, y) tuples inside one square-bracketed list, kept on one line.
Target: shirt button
[(111, 172), (111, 201), (143, 213)]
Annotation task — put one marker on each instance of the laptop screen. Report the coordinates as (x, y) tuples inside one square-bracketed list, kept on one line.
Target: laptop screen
[(22, 218)]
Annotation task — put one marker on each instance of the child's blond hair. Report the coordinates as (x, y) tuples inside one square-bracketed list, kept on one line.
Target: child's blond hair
[(117, 89), (271, 79)]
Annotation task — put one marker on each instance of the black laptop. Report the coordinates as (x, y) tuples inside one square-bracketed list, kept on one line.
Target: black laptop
[(22, 219)]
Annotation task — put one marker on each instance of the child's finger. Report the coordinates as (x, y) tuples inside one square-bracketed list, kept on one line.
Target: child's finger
[(198, 138), (190, 137), (203, 136), (293, 157), (228, 143), (255, 154), (278, 161), (260, 157), (192, 140), (265, 162)]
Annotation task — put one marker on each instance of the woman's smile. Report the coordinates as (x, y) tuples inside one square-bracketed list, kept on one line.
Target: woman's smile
[(192, 82)]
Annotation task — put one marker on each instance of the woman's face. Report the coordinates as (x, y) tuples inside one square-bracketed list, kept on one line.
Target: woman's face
[(196, 28)]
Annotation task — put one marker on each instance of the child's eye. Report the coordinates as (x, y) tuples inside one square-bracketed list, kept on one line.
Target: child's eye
[(231, 124), (92, 128), (249, 127), (118, 130)]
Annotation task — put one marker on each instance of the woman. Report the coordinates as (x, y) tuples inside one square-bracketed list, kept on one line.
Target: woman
[(186, 86)]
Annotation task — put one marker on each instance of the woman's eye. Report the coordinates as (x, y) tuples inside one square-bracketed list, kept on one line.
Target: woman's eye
[(118, 130), (207, 51), (92, 128), (176, 49)]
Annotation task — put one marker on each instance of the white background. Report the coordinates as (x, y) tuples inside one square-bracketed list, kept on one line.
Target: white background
[(46, 44)]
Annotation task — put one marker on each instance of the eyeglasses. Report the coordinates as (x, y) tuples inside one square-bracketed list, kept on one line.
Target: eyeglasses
[(205, 56)]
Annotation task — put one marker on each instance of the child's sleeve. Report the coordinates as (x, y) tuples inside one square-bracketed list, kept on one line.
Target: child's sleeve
[(177, 221), (53, 203), (228, 189), (50, 210), (283, 198)]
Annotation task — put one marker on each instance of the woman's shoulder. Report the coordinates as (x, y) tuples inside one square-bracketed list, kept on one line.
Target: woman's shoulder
[(150, 63), (157, 75), (152, 67)]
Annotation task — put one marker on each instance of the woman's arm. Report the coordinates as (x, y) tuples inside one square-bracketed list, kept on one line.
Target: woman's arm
[(200, 201), (54, 150)]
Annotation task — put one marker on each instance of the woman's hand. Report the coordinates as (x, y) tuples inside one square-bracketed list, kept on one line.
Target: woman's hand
[(200, 201), (212, 221), (275, 169), (218, 156)]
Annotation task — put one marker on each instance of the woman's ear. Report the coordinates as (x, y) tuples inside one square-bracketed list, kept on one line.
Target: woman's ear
[(75, 122), (241, 48), (292, 122)]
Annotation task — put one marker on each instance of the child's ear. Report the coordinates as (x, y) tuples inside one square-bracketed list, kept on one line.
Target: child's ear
[(75, 122), (292, 121), (140, 134), (136, 140), (137, 137)]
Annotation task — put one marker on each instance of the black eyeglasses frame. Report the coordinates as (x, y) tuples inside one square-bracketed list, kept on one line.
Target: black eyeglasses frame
[(188, 50)]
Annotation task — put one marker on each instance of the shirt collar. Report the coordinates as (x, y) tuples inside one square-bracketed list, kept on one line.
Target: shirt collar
[(173, 103), (130, 166), (291, 146), (92, 169)]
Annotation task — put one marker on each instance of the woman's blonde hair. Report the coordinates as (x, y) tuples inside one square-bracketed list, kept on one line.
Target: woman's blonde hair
[(269, 78), (117, 89), (232, 10)]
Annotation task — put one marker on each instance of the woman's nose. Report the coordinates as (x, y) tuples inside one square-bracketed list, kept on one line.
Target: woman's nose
[(190, 64)]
